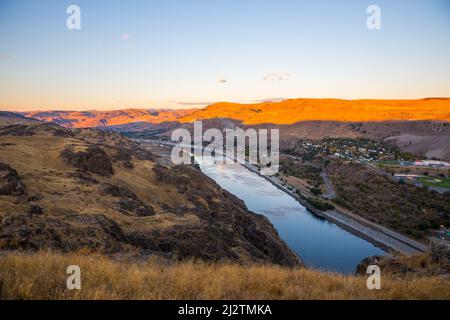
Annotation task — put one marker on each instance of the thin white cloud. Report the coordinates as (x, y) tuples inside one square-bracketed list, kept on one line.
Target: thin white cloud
[(278, 99), (126, 37), (5, 57), (194, 103), (277, 76)]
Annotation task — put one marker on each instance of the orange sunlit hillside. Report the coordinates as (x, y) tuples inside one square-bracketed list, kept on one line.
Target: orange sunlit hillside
[(284, 112), (296, 110)]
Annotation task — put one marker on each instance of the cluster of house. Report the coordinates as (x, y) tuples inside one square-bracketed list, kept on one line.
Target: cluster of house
[(351, 149)]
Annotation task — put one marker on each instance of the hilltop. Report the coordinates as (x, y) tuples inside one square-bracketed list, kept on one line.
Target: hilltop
[(7, 118)]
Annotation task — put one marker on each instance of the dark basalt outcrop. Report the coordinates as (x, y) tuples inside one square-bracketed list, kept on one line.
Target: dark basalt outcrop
[(129, 202), (10, 183), (124, 157), (440, 252), (34, 209), (82, 177), (435, 262), (23, 130), (94, 160), (69, 233), (125, 150)]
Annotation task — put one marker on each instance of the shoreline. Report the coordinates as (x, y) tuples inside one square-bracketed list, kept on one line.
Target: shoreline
[(375, 236)]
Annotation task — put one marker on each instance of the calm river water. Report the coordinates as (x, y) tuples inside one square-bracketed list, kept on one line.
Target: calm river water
[(321, 244)]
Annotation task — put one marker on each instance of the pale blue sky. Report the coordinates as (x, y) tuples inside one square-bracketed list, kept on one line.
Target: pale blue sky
[(179, 53)]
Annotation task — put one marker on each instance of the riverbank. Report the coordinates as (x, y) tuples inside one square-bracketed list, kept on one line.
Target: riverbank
[(378, 235)]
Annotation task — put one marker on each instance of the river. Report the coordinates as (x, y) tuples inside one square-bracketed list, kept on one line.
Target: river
[(321, 244)]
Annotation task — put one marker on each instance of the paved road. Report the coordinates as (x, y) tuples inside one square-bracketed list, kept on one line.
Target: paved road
[(330, 194), (330, 190)]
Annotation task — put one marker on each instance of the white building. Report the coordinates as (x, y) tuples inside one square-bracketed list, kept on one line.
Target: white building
[(432, 164)]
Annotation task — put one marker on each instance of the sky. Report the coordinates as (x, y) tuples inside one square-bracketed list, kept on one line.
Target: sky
[(190, 53)]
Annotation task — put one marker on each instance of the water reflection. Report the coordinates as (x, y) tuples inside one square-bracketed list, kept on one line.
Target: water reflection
[(321, 244)]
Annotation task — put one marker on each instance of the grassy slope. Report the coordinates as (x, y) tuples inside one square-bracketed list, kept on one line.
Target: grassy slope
[(43, 276), (435, 182), (37, 159)]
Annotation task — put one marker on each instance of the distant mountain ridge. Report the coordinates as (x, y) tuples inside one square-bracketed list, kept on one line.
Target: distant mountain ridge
[(7, 117), (95, 118), (284, 112)]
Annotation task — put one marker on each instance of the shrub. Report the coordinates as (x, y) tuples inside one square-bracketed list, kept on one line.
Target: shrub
[(323, 206)]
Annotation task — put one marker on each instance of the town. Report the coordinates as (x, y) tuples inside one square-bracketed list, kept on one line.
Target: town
[(361, 149)]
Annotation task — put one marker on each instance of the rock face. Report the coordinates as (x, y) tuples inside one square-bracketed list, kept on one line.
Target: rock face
[(10, 182), (72, 233), (129, 202), (436, 262), (361, 268), (440, 251), (94, 160), (33, 210), (228, 220)]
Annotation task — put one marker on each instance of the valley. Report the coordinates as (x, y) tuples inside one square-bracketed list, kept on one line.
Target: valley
[(78, 184), (224, 150)]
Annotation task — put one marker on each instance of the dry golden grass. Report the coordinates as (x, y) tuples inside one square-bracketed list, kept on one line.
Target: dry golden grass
[(43, 276)]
